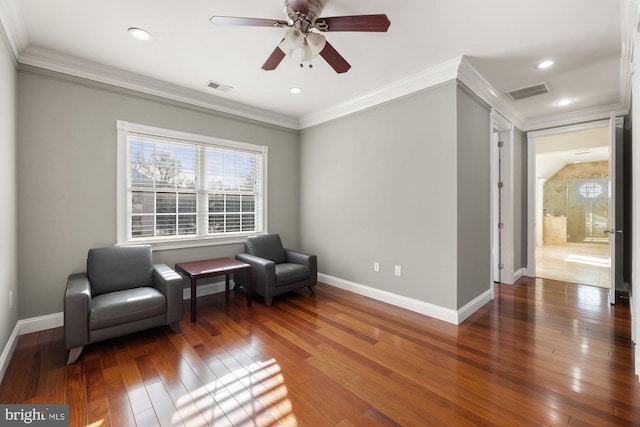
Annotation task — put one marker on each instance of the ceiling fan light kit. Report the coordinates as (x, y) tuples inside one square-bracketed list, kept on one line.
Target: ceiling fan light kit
[(302, 19)]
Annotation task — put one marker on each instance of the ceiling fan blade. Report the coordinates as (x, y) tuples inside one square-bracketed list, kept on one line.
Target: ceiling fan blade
[(370, 23), (334, 59), (251, 22), (274, 59), (300, 6)]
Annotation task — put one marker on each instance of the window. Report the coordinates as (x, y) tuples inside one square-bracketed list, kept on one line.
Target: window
[(177, 189)]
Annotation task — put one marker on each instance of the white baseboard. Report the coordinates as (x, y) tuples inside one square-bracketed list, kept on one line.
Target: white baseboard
[(41, 323), (5, 357), (519, 273), (441, 313)]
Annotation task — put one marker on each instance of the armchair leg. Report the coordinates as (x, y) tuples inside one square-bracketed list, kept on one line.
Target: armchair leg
[(312, 288), (74, 353), (175, 327), (268, 301)]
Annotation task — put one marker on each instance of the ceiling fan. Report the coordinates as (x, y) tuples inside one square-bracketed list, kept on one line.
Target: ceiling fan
[(302, 19)]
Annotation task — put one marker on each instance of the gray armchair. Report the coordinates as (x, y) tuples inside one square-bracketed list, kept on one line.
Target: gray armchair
[(122, 292), (274, 269)]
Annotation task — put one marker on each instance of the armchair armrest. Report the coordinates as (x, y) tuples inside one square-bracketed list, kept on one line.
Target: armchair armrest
[(309, 260), (77, 303), (263, 272), (169, 283)]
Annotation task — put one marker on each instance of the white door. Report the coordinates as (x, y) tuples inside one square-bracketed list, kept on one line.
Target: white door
[(615, 206), (497, 206)]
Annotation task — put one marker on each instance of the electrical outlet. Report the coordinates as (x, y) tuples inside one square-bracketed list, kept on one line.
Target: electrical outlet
[(398, 270), (376, 266), (10, 300)]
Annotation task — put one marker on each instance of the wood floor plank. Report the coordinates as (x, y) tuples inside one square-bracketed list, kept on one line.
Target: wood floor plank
[(541, 353)]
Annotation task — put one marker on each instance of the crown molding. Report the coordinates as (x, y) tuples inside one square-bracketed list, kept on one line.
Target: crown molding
[(439, 74), (588, 115), (13, 27), (66, 64)]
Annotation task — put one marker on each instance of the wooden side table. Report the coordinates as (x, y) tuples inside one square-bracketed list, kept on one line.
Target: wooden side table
[(213, 267)]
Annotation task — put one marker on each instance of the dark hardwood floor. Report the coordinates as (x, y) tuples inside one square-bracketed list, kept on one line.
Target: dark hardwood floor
[(542, 353)]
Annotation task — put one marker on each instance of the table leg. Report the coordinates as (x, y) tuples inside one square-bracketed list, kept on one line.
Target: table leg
[(193, 299), (226, 282), (249, 293)]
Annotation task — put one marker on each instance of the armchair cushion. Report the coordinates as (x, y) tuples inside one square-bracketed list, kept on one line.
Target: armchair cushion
[(287, 273), (129, 305), (267, 246), (117, 268)]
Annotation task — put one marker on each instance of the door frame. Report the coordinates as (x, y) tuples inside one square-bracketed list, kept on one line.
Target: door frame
[(506, 213), (533, 217)]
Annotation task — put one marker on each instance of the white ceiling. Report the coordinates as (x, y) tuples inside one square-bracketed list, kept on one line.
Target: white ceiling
[(502, 39)]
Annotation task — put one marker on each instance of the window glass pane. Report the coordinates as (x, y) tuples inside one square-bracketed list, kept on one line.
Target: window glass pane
[(187, 203), (166, 225), (215, 170), (216, 203), (141, 226), (248, 222), (165, 202), (162, 165), (233, 222), (248, 203), (141, 157), (230, 171), (186, 224), (142, 202), (247, 169), (233, 203), (216, 224)]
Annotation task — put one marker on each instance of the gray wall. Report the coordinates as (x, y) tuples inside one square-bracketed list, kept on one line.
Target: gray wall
[(67, 176), (474, 198), (380, 185), (8, 194)]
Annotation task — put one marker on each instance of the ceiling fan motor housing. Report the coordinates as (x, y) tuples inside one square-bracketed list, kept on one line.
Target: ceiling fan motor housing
[(295, 10)]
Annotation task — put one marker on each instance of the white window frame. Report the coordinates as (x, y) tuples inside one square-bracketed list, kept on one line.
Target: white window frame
[(123, 204)]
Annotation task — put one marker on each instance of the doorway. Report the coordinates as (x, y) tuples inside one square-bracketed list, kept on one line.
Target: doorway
[(572, 195)]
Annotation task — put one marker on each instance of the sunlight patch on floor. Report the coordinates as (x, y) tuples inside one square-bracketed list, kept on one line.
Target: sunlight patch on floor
[(589, 260)]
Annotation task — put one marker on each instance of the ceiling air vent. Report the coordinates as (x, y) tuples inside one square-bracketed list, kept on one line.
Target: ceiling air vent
[(529, 91), (219, 86)]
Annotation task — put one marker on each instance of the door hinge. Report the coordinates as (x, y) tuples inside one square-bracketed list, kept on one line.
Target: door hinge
[(500, 225), (500, 266), (500, 184), (500, 144)]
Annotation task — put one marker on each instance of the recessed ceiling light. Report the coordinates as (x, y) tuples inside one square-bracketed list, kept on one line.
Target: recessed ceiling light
[(295, 90), (564, 101), (139, 34), (545, 64)]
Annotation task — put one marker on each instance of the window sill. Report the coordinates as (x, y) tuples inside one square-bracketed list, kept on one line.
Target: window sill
[(163, 245)]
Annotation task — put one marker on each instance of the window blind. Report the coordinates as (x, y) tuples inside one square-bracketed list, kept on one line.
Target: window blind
[(189, 187)]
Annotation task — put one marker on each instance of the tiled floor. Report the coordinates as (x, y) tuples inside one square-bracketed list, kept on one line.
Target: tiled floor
[(574, 262)]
